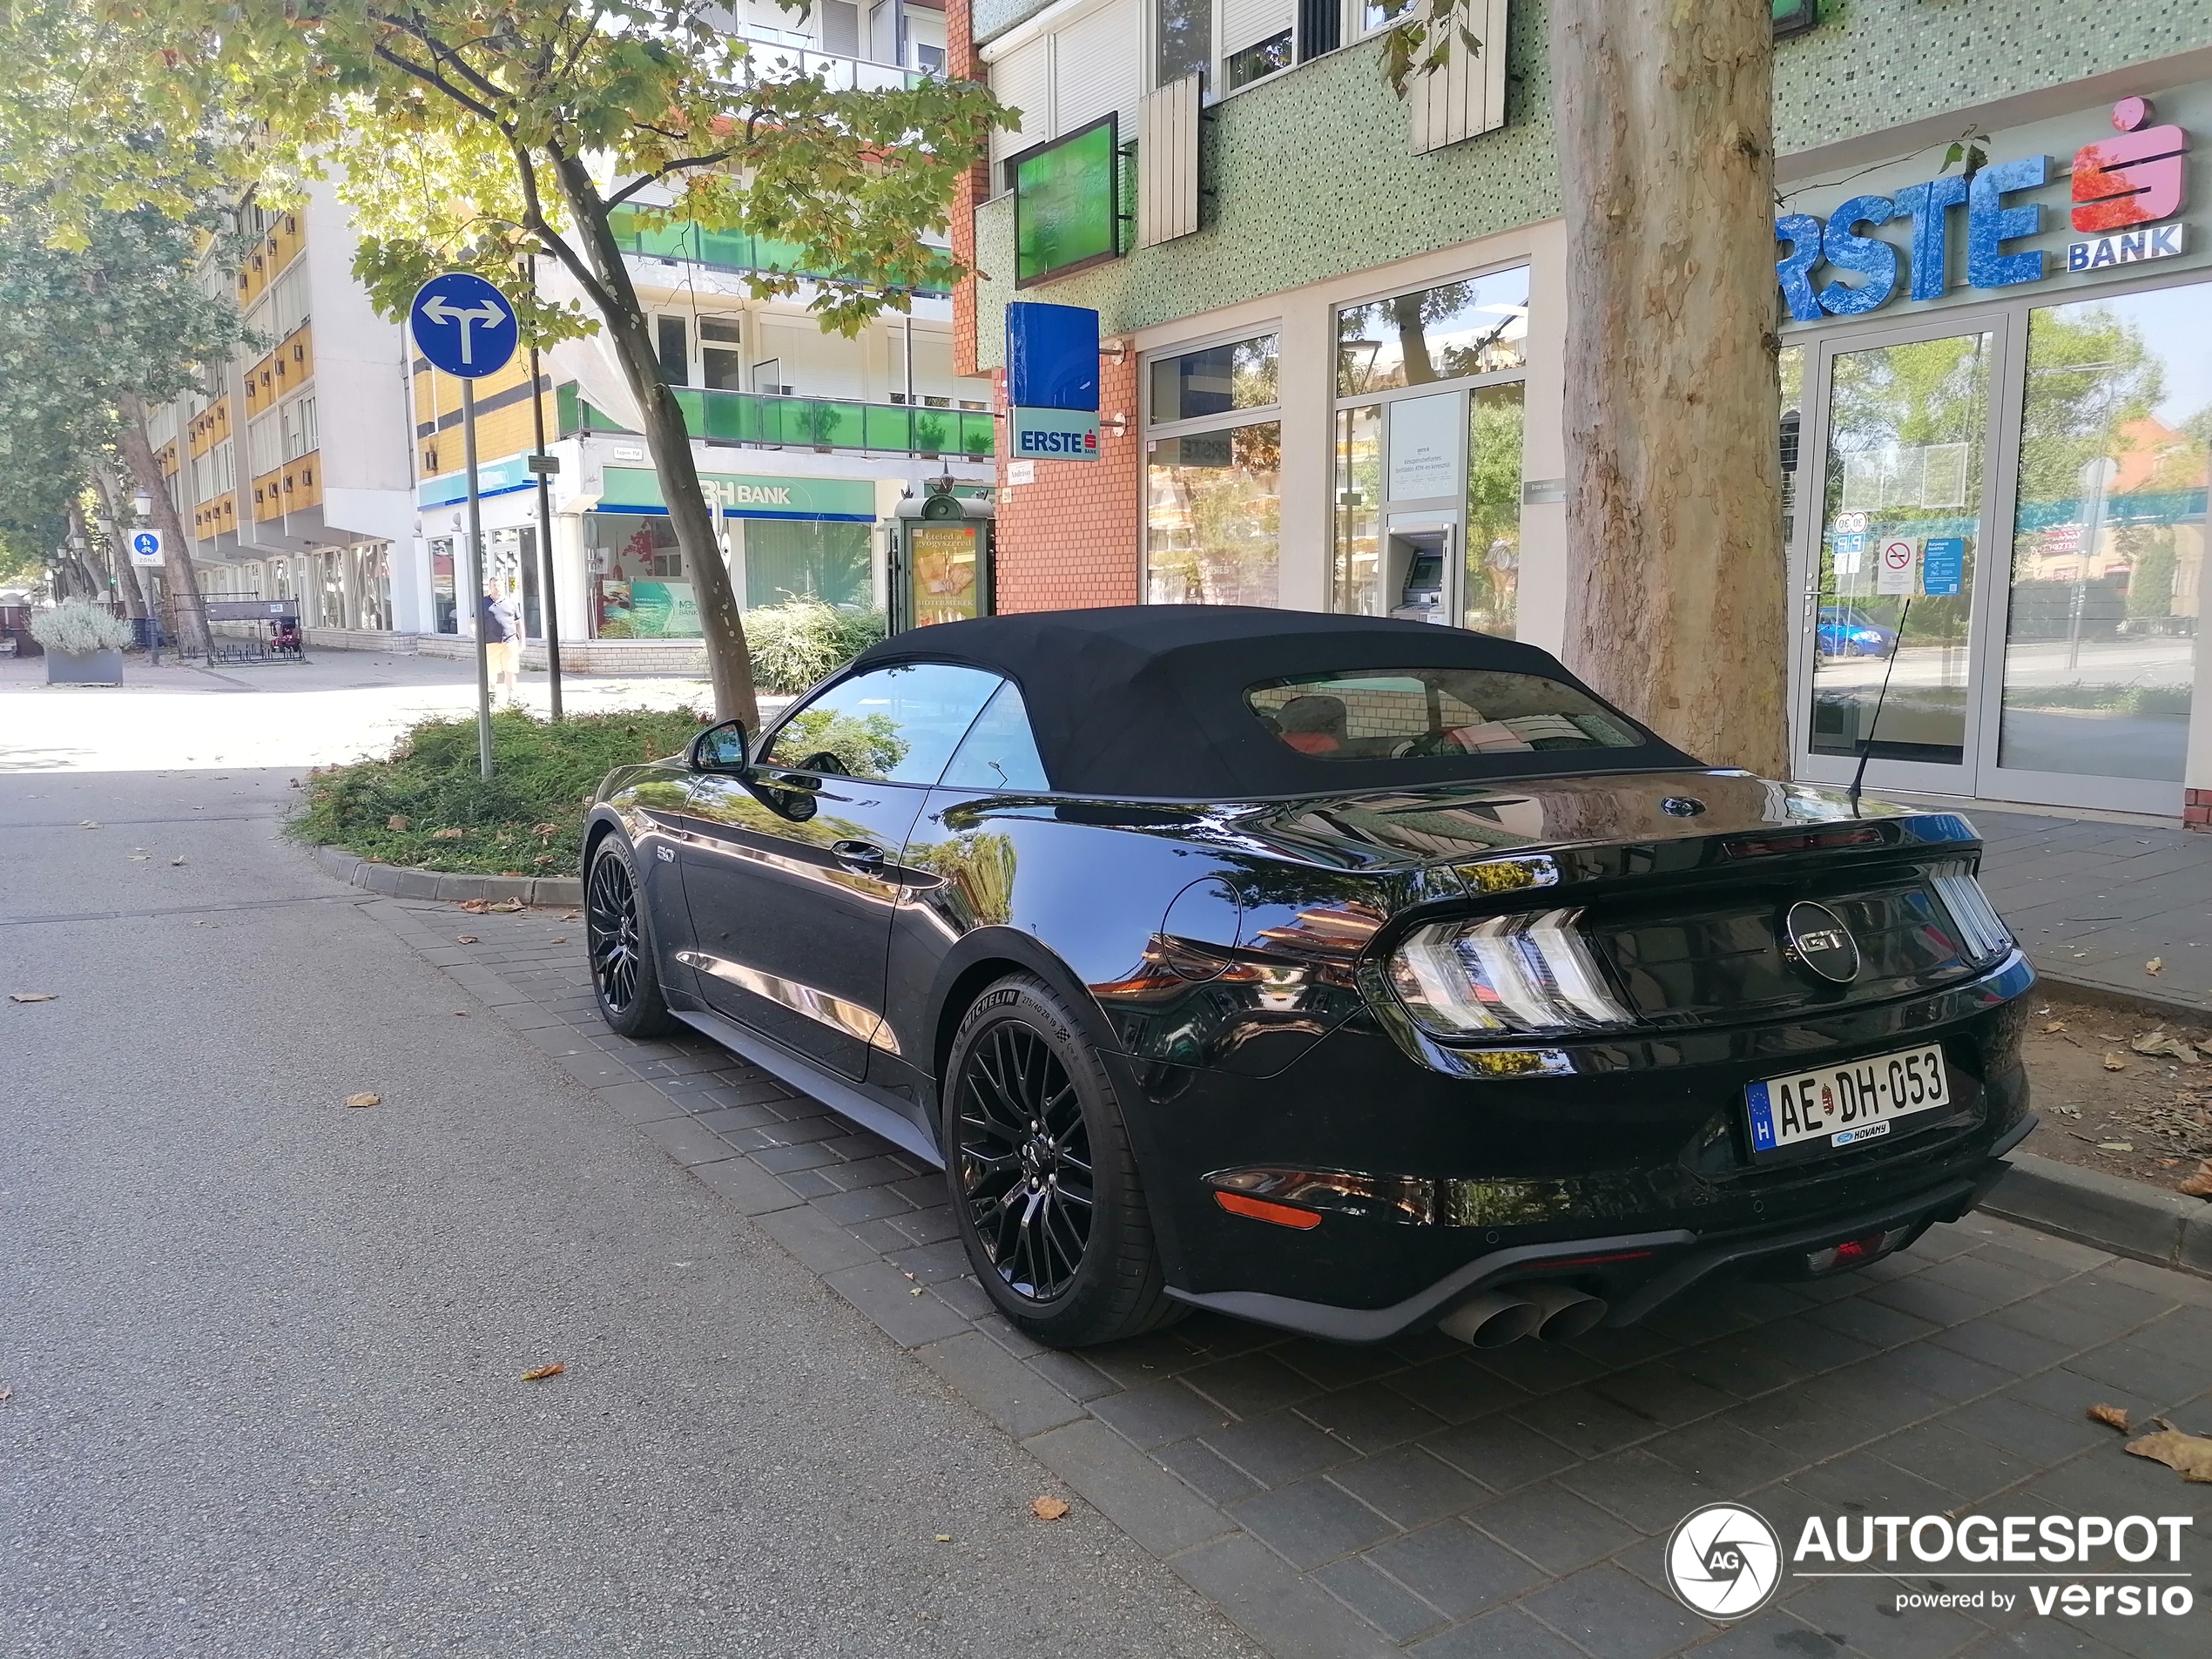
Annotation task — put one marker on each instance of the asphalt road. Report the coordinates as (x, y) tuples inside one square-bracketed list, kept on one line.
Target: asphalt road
[(263, 1353)]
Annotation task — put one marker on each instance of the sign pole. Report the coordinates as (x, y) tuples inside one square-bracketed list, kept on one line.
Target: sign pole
[(476, 577), (545, 543)]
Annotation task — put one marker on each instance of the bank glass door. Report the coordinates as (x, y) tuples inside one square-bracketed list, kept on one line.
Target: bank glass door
[(1890, 529), (2107, 547)]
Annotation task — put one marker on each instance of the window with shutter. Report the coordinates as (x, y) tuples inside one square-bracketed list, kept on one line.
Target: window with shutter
[(1255, 39), (1022, 80), (1095, 68)]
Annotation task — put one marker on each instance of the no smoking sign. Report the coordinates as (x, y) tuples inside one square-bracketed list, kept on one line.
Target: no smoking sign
[(1896, 568)]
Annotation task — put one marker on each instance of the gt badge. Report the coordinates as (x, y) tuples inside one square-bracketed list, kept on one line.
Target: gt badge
[(1819, 943)]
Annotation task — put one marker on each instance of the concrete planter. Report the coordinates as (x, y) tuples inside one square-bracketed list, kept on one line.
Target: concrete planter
[(92, 668)]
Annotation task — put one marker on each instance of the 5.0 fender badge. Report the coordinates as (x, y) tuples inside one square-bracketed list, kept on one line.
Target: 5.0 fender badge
[(1819, 943)]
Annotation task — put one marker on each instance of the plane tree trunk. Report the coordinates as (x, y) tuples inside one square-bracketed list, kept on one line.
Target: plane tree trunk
[(1674, 527), (129, 576), (669, 441), (187, 606)]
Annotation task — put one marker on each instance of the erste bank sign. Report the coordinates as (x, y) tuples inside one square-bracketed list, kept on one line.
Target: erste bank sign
[(2123, 187)]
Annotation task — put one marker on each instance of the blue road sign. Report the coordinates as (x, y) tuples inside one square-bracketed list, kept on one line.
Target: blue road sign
[(463, 325), (146, 547)]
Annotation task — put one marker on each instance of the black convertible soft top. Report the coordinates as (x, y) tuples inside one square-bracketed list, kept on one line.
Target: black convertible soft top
[(1148, 701)]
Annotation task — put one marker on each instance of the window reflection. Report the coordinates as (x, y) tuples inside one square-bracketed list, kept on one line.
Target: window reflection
[(1476, 327), (1214, 381), (1214, 510), (1359, 548), (1493, 594), (2108, 534)]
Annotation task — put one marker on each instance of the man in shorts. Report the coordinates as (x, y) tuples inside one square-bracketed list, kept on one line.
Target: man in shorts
[(502, 630)]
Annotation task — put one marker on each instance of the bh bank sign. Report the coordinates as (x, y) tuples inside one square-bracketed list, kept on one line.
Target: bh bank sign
[(2126, 190)]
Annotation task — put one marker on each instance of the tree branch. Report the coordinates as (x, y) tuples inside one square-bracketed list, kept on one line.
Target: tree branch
[(432, 79), (658, 173), (485, 88), (535, 221)]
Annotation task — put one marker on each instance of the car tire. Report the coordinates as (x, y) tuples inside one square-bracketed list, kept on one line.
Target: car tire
[(625, 972), (1044, 1187)]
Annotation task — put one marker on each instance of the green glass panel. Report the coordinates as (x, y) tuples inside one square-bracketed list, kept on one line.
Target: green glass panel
[(692, 402), (1064, 206), (979, 433), (886, 426), (936, 431), (725, 416), (566, 406)]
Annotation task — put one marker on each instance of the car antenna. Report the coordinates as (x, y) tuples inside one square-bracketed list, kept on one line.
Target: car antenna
[(1866, 746)]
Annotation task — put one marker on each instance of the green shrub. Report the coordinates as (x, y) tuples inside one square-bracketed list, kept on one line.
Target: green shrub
[(527, 820), (797, 642)]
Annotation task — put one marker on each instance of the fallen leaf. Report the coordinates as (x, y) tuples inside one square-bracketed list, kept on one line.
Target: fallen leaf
[(2200, 1184), (2110, 1416), (1053, 1508), (544, 1372), (30, 996), (447, 834), (562, 940), (90, 823), (2187, 1455), (474, 906), (460, 1014), (509, 905), (364, 1099), (572, 915), (2053, 1028), (398, 821), (2069, 1111), (2115, 1146), (915, 1291), (2116, 1062), (464, 939), (179, 859), (2155, 965), (10, 1394), (942, 1537), (2159, 1042)]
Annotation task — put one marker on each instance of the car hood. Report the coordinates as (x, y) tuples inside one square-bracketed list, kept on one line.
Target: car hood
[(1441, 823)]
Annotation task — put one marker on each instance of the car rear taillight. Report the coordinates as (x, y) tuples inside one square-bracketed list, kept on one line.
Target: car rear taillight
[(1509, 976), (1982, 936)]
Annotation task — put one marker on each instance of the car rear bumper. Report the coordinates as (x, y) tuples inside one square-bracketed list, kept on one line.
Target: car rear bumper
[(1635, 1273)]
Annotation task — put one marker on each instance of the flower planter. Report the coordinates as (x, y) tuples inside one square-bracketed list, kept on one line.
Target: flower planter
[(89, 668)]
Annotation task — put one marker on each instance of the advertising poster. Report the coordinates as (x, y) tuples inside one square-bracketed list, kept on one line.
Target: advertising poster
[(663, 610), (944, 572)]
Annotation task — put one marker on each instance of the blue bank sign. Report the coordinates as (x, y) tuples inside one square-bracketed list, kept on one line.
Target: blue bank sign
[(2122, 187), (1051, 382)]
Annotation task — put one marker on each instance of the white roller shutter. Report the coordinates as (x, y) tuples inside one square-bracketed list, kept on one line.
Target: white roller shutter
[(1095, 68), (1467, 96), (1022, 80), (1167, 161), (1246, 22)]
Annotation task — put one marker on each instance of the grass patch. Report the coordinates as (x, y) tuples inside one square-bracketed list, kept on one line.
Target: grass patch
[(528, 821)]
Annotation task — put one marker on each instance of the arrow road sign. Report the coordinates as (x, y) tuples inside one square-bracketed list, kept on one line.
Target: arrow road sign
[(463, 325), (146, 547)]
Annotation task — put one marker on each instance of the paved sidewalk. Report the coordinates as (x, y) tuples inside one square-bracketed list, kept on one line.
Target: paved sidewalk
[(1422, 1498), (2094, 901)]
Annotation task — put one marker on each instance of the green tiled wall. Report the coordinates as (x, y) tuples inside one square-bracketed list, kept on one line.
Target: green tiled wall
[(1312, 179)]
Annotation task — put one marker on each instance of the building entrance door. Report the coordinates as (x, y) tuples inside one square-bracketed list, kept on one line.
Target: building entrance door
[(1900, 493)]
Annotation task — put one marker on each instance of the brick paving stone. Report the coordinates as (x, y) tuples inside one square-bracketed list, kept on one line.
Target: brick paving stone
[(1287, 1489)]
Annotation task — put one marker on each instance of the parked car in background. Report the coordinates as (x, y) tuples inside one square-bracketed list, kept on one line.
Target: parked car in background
[(1846, 630), (1350, 975)]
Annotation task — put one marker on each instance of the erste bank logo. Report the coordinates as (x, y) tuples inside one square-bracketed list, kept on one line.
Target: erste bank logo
[(1724, 1562), (2133, 179)]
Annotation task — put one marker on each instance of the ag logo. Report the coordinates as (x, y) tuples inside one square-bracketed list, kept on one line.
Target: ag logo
[(1724, 1562), (1820, 943)]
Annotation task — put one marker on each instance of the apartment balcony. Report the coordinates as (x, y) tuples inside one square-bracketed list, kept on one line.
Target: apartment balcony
[(688, 244), (827, 425)]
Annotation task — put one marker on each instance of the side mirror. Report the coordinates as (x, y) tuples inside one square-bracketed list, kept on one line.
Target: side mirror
[(721, 748)]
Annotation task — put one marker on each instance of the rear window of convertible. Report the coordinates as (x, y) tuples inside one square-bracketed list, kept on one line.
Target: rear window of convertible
[(1416, 713)]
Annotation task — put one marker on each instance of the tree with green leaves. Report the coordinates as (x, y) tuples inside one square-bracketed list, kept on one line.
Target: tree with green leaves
[(477, 134)]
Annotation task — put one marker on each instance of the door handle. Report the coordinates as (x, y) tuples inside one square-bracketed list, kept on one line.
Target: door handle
[(863, 857)]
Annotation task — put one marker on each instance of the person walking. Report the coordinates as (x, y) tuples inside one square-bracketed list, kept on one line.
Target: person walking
[(502, 630)]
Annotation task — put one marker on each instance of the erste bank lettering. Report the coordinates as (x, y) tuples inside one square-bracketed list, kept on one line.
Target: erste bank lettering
[(2123, 186), (1053, 435)]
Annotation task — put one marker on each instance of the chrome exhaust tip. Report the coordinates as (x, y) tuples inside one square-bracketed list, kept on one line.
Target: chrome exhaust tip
[(1563, 1311), (1492, 1320)]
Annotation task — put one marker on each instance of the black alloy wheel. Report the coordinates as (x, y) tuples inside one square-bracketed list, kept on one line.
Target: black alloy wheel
[(1025, 1162), (1044, 1188), (623, 976)]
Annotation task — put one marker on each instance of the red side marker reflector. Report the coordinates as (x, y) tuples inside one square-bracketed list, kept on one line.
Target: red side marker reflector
[(1240, 1204), (1592, 1261)]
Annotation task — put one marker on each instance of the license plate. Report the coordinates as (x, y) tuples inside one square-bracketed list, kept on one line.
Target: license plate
[(1844, 1105)]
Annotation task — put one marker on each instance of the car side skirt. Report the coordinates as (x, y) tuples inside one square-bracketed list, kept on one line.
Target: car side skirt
[(873, 1110)]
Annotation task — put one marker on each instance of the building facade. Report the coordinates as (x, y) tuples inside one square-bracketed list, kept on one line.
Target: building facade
[(1332, 378)]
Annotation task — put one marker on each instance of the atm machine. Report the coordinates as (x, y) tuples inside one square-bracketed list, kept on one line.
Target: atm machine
[(1420, 570)]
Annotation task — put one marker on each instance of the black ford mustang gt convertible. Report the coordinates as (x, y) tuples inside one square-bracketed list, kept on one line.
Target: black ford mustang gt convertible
[(1349, 975)]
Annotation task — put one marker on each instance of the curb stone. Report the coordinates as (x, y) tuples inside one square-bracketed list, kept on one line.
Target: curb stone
[(398, 881), (2108, 1211)]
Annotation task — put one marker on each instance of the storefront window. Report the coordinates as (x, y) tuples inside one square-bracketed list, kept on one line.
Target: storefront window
[(1357, 586), (1905, 428), (1213, 487), (2109, 536), (1479, 326), (639, 588), (1491, 602), (1214, 516), (442, 607), (824, 559)]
